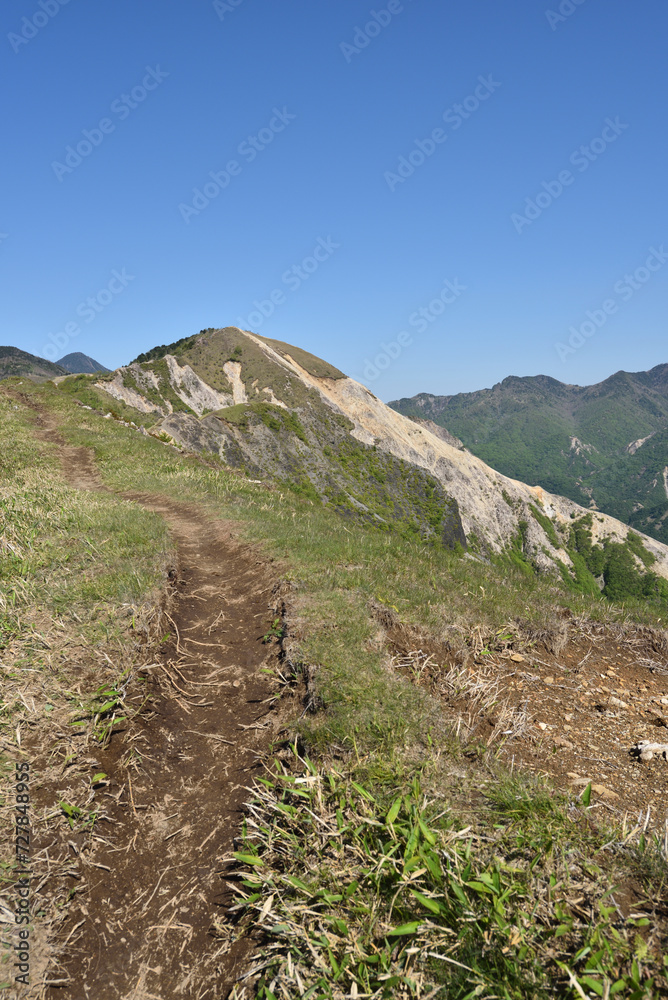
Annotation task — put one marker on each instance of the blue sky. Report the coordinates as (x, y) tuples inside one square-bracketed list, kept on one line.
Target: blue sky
[(508, 237)]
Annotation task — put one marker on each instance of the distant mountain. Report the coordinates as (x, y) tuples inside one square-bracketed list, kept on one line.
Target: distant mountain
[(604, 446), (14, 362), (281, 414), (81, 364)]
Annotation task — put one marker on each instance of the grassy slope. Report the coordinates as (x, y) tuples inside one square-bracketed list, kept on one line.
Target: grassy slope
[(228, 338), (337, 574), (358, 481), (83, 389), (208, 353), (341, 563), (332, 559), (80, 574), (309, 452), (313, 365), (76, 556)]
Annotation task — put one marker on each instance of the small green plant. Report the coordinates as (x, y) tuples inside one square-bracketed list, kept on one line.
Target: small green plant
[(162, 436), (103, 710), (78, 816), (275, 633)]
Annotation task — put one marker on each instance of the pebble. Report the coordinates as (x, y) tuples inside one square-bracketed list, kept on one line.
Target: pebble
[(647, 749), (607, 793), (561, 741), (599, 789)]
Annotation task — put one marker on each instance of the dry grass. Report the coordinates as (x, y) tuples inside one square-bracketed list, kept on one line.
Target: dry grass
[(368, 715), (371, 889), (80, 580)]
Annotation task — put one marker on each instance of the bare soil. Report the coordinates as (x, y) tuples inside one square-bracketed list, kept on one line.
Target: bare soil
[(148, 916), (587, 710), (573, 714)]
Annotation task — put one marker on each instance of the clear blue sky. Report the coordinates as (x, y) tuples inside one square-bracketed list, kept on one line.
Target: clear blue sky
[(330, 111)]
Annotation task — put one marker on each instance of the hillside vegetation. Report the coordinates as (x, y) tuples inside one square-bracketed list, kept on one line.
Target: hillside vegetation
[(277, 412), (415, 832), (14, 362), (606, 443), (388, 853)]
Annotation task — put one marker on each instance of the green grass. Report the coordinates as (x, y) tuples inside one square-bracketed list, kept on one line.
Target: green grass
[(165, 392), (80, 576), (207, 355), (635, 544), (82, 388), (276, 418), (548, 527), (373, 888), (78, 572), (361, 870), (337, 569), (309, 362), (66, 554)]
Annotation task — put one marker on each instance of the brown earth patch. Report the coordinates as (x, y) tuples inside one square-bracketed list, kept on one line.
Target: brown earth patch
[(147, 919), (571, 711)]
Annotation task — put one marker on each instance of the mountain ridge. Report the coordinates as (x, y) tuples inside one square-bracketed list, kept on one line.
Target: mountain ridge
[(282, 414), (603, 446), (15, 363)]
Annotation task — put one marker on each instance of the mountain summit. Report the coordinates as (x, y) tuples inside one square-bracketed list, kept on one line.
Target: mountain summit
[(282, 414), (80, 364)]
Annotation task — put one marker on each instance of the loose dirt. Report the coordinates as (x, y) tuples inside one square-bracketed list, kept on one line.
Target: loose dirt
[(148, 919), (572, 715)]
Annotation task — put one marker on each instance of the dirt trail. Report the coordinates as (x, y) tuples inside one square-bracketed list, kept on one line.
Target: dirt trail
[(140, 927)]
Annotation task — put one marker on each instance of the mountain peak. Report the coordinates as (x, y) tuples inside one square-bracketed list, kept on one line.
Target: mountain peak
[(280, 413), (80, 364)]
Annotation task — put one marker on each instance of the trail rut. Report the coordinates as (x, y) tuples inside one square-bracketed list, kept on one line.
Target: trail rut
[(140, 927)]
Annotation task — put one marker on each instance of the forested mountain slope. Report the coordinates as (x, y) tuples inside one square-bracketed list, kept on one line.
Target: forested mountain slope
[(604, 445)]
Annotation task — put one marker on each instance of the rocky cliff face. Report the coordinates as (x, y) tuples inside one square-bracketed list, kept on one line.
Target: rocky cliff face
[(283, 414)]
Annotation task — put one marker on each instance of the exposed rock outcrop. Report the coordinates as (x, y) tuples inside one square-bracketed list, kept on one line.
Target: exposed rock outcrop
[(281, 413)]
